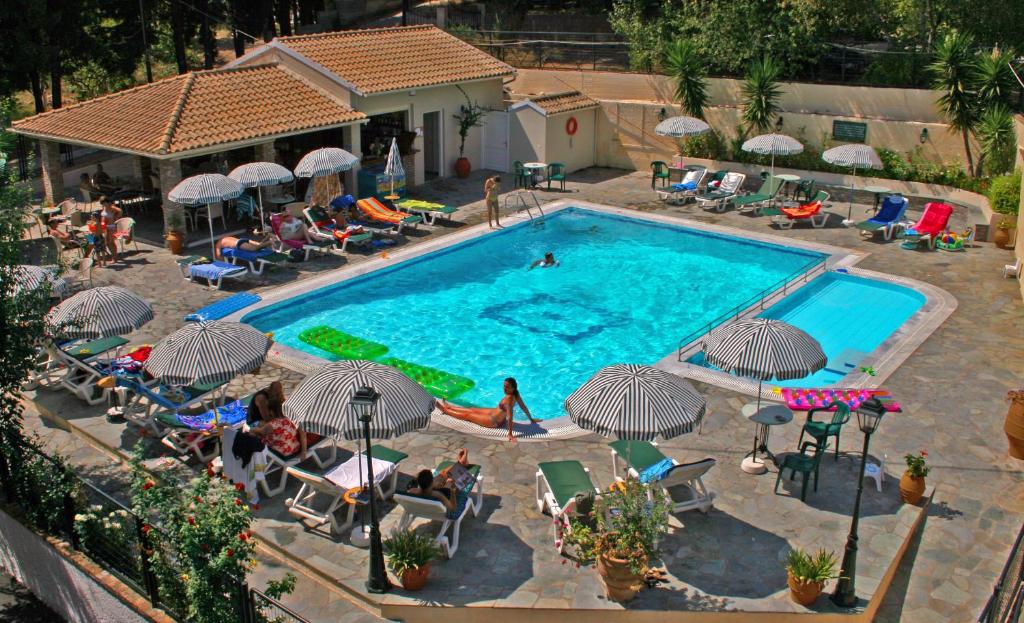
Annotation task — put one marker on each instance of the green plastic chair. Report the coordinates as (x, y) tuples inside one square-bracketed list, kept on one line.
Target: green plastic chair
[(804, 189), (821, 431), (556, 172), (659, 171), (806, 464), (519, 172)]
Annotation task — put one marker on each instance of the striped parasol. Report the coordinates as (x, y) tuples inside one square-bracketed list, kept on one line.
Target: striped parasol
[(28, 278), (208, 352), (321, 403), (773, 145), (100, 312), (259, 174), (630, 401), (858, 156), (393, 167), (681, 127), (325, 161), (205, 189)]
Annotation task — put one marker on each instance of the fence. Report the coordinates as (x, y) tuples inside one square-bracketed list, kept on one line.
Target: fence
[(1006, 605), (110, 534)]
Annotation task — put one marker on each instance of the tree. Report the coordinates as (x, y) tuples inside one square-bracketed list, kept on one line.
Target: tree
[(761, 93), (955, 74), (641, 23), (997, 138), (995, 81), (686, 68)]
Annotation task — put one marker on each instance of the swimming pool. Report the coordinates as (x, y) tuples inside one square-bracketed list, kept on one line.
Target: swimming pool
[(627, 290), (850, 316)]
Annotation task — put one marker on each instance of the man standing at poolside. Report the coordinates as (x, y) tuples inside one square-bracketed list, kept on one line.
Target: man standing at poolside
[(491, 189)]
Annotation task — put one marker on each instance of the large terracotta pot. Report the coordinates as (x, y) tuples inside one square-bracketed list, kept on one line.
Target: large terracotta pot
[(804, 592), (911, 488), (415, 579), (1014, 428), (175, 242), (620, 583), (1002, 237), (462, 168)]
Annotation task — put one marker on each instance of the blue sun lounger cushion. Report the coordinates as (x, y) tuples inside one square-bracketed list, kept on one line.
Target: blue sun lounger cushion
[(685, 186), (223, 308), (214, 270), (657, 471)]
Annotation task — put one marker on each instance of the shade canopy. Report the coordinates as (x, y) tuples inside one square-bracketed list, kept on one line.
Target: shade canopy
[(208, 352), (393, 167), (261, 174), (325, 161), (28, 278), (321, 403), (773, 145), (636, 402), (679, 127), (100, 312), (857, 156), (764, 349), (205, 188)]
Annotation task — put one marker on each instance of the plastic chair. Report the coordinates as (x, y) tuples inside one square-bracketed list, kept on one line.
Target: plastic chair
[(82, 277), (556, 171), (876, 472), (804, 191), (806, 464), (519, 174), (210, 212), (821, 431), (659, 171), (1012, 270), (124, 232), (68, 207)]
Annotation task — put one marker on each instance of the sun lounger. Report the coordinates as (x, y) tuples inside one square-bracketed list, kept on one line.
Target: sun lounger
[(933, 222), (322, 225), (224, 307), (681, 192), (812, 212), (319, 498), (280, 463), (374, 210), (430, 212), (257, 260), (415, 506), (887, 219), (147, 400), (200, 434), (558, 484), (682, 482), (214, 272), (322, 244), (753, 202), (83, 373), (719, 198)]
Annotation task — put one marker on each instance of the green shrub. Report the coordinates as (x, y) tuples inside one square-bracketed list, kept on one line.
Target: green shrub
[(1004, 193)]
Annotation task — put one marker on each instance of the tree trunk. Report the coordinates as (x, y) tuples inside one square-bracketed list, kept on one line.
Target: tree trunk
[(967, 150), (283, 8), (206, 36), (56, 75), (37, 91), (178, 37), (238, 39), (307, 12)]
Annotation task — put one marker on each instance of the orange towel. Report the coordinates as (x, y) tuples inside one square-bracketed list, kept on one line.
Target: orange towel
[(377, 211), (805, 211)]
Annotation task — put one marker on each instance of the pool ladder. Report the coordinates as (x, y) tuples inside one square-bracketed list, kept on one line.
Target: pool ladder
[(519, 202)]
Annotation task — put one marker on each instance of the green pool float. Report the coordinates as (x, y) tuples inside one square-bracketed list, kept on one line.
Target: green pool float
[(342, 344), (438, 382)]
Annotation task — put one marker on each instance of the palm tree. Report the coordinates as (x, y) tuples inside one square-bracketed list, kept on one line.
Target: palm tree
[(995, 79), (998, 139), (955, 71), (686, 68), (761, 93)]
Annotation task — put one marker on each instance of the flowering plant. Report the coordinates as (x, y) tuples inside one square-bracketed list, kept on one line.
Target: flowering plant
[(916, 466)]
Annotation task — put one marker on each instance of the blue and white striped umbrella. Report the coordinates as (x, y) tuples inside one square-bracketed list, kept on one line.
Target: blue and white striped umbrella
[(320, 404), (680, 127), (325, 161), (205, 188), (259, 174), (631, 401), (208, 352), (394, 164), (100, 312), (773, 145), (28, 277), (856, 155), (764, 349)]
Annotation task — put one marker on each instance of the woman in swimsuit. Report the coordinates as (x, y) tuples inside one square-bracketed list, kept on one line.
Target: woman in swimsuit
[(491, 418), (109, 214), (442, 487)]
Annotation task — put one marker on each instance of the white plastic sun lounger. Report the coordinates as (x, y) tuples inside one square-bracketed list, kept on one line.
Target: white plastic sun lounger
[(558, 484), (683, 483), (277, 463), (719, 198), (414, 506), (676, 194)]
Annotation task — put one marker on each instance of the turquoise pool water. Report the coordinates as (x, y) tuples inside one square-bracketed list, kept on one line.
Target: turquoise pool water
[(626, 291), (850, 316)]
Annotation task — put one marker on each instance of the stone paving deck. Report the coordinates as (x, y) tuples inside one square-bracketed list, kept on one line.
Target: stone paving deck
[(731, 558)]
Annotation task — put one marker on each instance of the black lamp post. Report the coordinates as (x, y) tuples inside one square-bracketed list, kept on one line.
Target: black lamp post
[(364, 405), (869, 416)]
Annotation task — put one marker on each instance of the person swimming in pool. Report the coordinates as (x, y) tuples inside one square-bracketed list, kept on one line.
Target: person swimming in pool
[(546, 262), (491, 417)]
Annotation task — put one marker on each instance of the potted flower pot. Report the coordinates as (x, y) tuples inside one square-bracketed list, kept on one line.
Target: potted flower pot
[(1002, 236), (1014, 424), (620, 582), (415, 579), (175, 241), (911, 488), (462, 168), (804, 592)]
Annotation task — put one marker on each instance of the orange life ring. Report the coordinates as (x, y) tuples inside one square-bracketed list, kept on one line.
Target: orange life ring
[(571, 126)]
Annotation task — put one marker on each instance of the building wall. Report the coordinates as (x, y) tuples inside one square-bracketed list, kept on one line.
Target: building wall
[(577, 151), (527, 135)]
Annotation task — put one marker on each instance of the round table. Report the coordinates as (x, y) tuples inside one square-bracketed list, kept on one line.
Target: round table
[(879, 191), (360, 536), (536, 170), (767, 416), (787, 179)]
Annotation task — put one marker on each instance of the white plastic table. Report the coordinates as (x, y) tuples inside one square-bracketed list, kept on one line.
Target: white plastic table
[(770, 414), (536, 170)]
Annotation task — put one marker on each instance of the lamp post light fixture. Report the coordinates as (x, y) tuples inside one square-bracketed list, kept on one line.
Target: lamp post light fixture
[(364, 406), (662, 114), (778, 124), (924, 135), (869, 416)]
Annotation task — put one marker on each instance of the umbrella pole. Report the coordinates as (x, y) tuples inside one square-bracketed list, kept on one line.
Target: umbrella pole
[(849, 211), (771, 179), (213, 241), (259, 192)]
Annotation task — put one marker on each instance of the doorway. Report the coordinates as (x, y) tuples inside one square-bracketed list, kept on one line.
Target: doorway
[(433, 154), (496, 141)]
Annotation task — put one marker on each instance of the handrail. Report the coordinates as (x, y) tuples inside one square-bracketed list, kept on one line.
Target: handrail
[(1007, 597), (764, 296)]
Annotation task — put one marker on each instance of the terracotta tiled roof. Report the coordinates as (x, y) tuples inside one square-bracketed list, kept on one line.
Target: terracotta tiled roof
[(200, 109), (563, 102), (391, 59)]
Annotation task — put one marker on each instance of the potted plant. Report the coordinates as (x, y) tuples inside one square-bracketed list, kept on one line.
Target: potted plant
[(621, 536), (409, 555), (470, 116), (1003, 228), (807, 574), (912, 483), (175, 237), (1014, 425)]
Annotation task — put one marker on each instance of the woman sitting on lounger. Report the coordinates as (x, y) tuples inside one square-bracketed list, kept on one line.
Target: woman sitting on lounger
[(278, 432), (256, 243), (442, 488), (491, 418), (291, 228)]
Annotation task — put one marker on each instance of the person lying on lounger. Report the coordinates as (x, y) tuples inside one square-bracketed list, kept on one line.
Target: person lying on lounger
[(442, 488), (546, 262), (256, 243), (491, 418)]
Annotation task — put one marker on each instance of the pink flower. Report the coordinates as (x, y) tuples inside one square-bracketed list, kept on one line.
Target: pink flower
[(924, 453)]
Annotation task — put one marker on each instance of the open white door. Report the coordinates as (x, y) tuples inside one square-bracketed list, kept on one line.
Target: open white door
[(495, 154)]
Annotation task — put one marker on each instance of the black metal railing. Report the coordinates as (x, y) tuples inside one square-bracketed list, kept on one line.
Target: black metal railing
[(778, 289), (1006, 605), (265, 609)]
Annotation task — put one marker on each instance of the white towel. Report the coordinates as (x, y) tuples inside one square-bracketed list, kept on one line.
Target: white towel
[(346, 475), (250, 475)]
